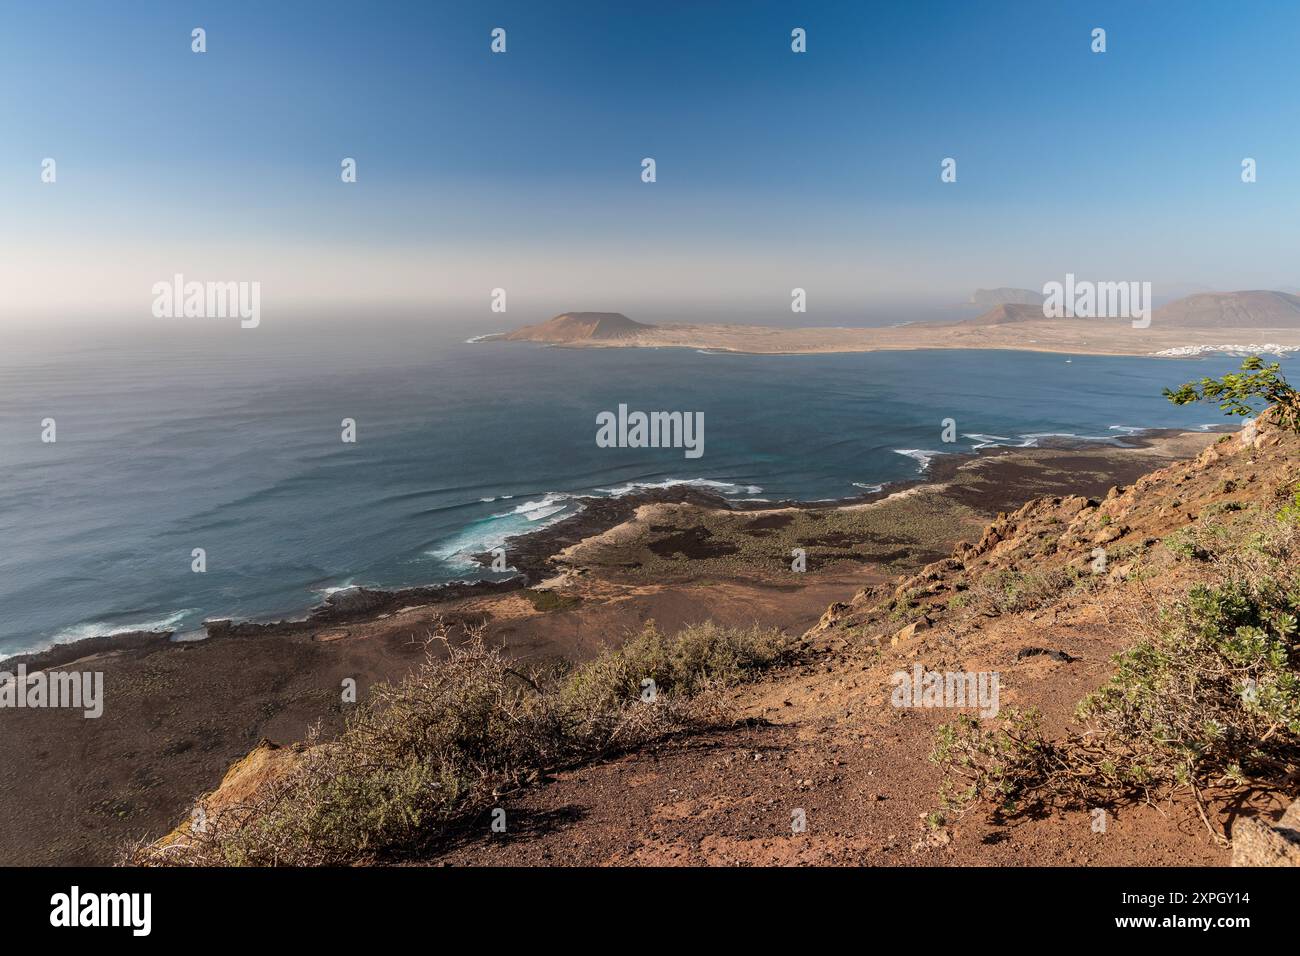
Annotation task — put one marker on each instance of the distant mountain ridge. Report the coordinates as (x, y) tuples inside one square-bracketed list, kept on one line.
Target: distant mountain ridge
[(580, 327), (1005, 296), (1253, 309)]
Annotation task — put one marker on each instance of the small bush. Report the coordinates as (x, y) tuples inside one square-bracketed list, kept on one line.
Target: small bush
[(1214, 697), (996, 766), (549, 600), (1289, 513), (1218, 691), (1242, 542), (442, 745), (1011, 592), (1208, 540)]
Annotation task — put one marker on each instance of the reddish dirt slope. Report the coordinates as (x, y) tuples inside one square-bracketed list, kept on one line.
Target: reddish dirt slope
[(822, 739)]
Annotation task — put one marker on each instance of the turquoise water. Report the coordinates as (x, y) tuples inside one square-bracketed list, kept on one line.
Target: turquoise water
[(232, 445)]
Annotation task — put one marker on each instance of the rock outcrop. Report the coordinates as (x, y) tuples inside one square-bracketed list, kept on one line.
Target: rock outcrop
[(242, 784), (1073, 533), (1259, 842)]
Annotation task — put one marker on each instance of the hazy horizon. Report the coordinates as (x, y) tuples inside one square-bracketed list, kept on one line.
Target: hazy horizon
[(522, 170)]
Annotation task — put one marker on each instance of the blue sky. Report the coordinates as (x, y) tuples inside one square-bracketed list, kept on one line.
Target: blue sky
[(522, 170)]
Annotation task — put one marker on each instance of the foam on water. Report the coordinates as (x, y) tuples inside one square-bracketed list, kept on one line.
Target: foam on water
[(491, 532), (724, 487), (924, 458), (1110, 439), (80, 632), (997, 441)]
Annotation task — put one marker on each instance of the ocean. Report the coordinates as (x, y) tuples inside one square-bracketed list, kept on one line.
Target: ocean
[(231, 443)]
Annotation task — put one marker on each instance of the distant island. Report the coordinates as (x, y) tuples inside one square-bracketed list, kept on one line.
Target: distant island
[(580, 327), (1194, 325)]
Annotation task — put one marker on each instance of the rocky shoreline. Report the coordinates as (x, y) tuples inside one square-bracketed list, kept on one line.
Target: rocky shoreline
[(178, 713), (530, 555)]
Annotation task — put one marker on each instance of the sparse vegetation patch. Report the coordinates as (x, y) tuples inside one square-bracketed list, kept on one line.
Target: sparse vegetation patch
[(465, 727)]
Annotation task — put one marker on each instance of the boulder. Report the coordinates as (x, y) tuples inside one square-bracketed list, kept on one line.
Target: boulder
[(1259, 842), (832, 615), (905, 634)]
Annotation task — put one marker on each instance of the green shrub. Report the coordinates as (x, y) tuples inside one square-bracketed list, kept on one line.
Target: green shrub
[(443, 744), (1290, 512), (1245, 392), (1213, 697), (1207, 540), (1010, 592), (1212, 692), (549, 600)]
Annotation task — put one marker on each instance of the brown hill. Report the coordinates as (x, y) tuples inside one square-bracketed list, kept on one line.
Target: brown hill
[(1004, 296), (1208, 310), (580, 327), (1259, 309), (1005, 313), (1031, 600)]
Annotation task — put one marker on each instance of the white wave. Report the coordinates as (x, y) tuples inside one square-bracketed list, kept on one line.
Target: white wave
[(326, 592), (868, 488), (923, 457), (1072, 436), (1130, 429), (541, 513), (483, 338), (80, 632), (726, 487), (546, 503), (537, 513), (998, 441), (490, 533)]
